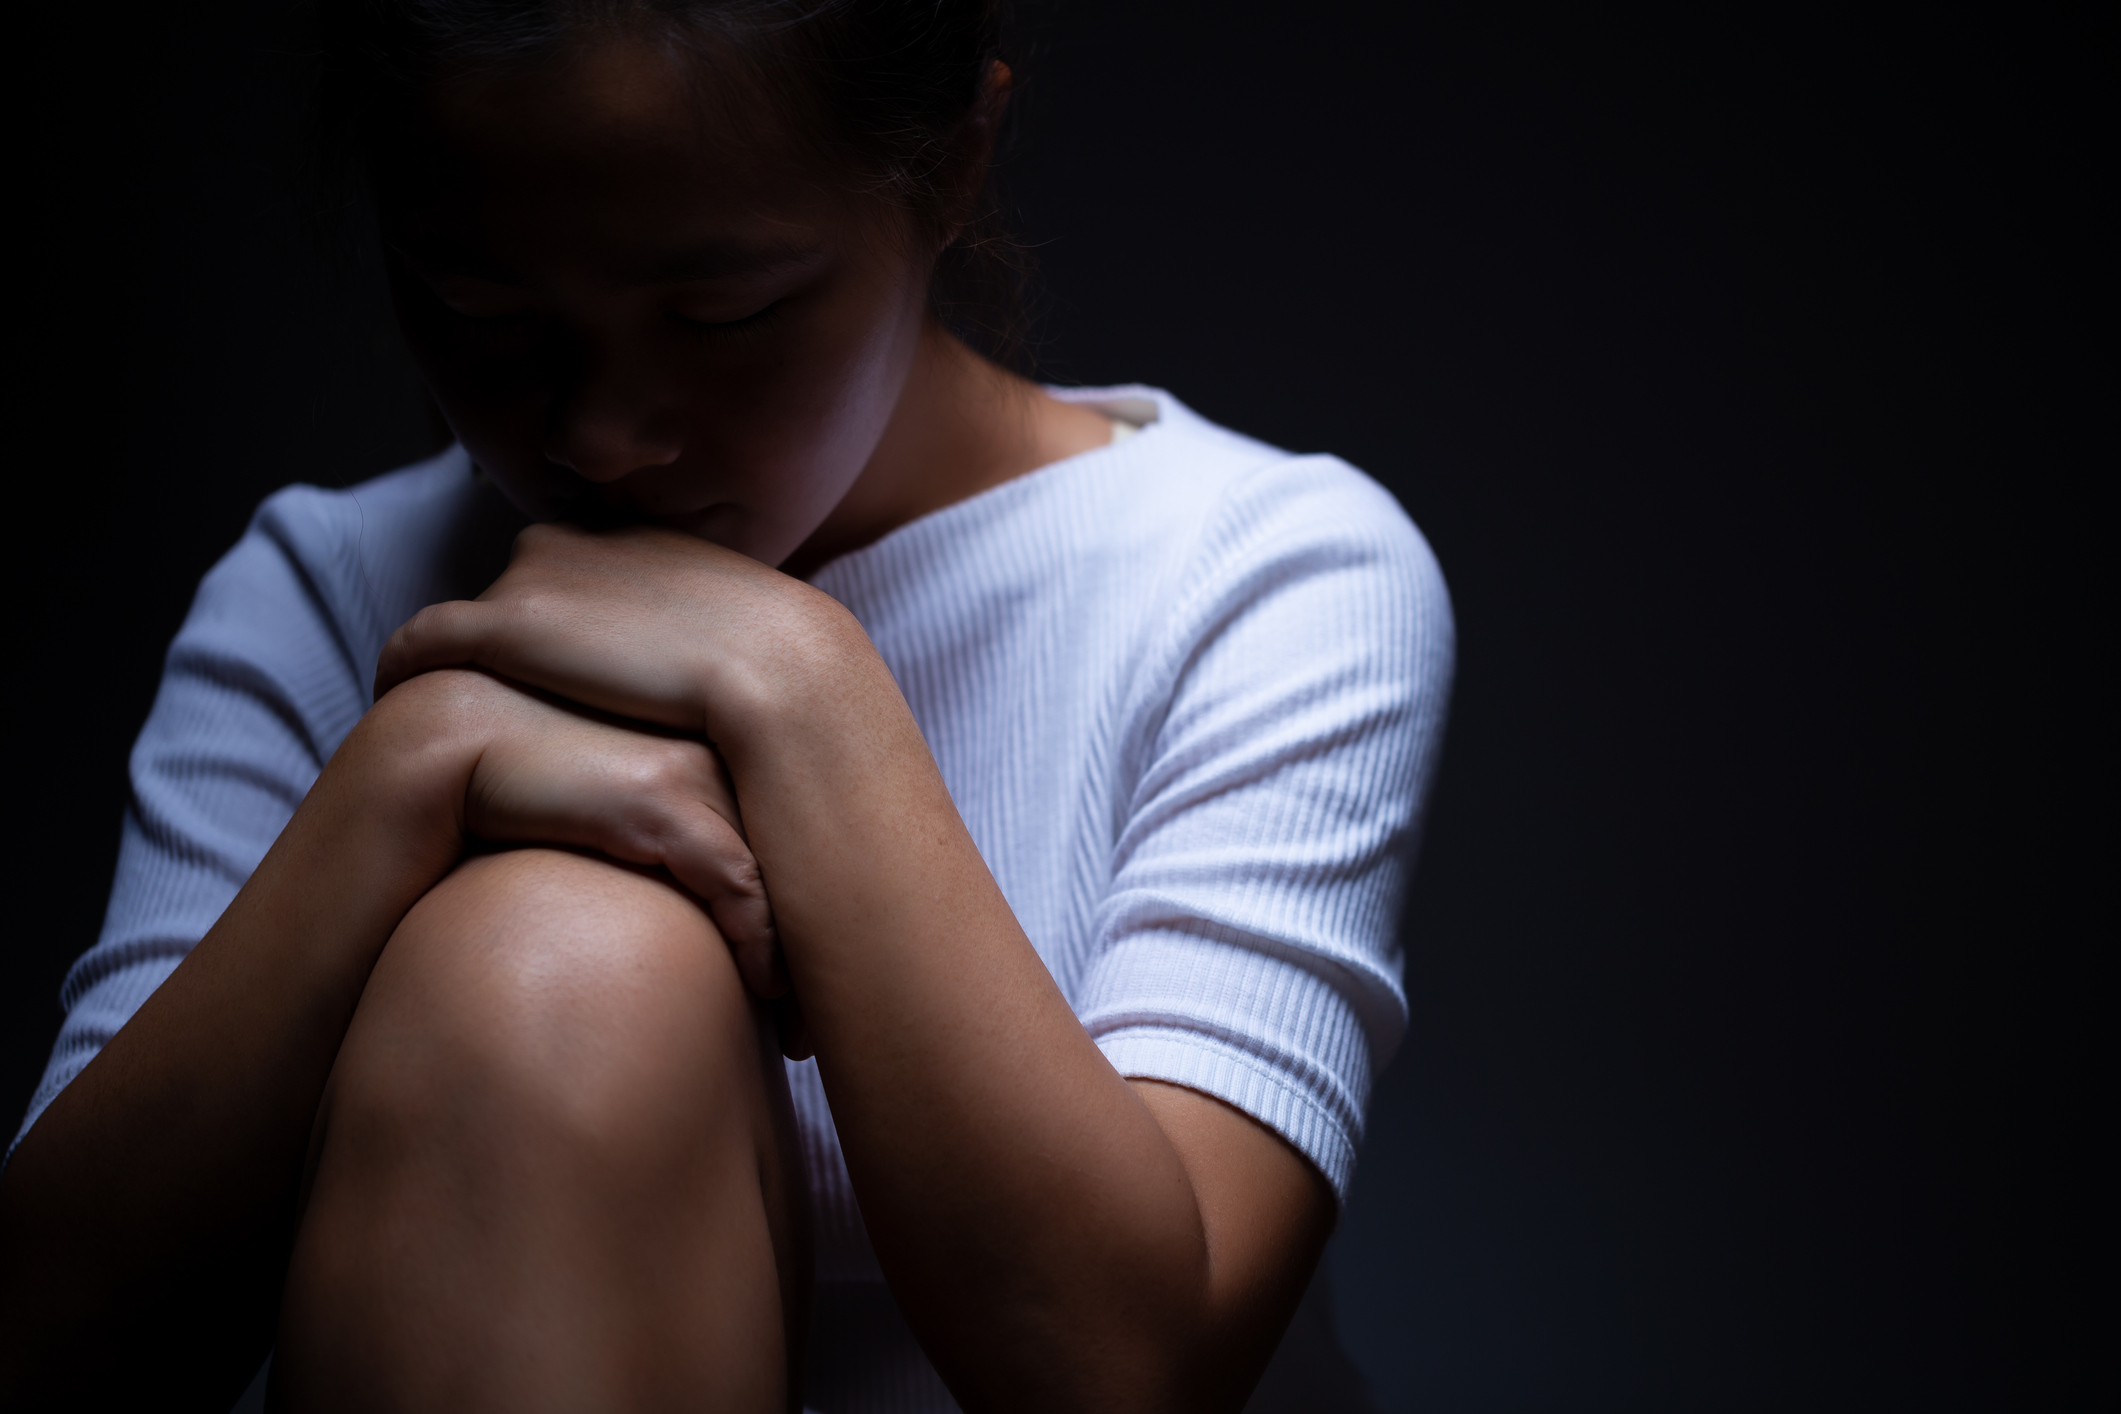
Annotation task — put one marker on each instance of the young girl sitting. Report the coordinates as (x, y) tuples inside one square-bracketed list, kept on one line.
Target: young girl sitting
[(763, 673)]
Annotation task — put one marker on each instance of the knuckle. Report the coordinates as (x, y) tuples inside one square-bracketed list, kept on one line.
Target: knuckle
[(406, 651), (445, 694), (738, 873), (742, 868), (664, 780), (645, 830), (676, 768), (652, 776), (420, 694), (424, 624), (696, 763), (534, 604)]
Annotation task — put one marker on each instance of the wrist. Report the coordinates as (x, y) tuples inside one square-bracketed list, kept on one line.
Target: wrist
[(401, 774), (378, 829), (816, 678)]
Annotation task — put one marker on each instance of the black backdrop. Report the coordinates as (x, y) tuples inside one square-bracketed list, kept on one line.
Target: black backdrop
[(1688, 347)]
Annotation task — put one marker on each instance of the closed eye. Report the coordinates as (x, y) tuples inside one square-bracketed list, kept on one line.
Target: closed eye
[(480, 301), (725, 328)]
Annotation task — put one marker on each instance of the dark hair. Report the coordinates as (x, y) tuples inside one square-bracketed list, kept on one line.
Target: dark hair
[(894, 91)]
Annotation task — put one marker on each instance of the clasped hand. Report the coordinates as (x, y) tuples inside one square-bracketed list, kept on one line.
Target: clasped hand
[(607, 666)]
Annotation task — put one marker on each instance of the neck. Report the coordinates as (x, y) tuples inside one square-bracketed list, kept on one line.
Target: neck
[(961, 426)]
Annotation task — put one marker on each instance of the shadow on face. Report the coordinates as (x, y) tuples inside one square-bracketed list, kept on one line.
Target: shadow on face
[(638, 294)]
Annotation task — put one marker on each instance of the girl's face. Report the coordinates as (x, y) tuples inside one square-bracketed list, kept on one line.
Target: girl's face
[(636, 302)]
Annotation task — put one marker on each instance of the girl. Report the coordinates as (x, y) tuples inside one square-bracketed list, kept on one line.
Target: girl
[(1046, 763)]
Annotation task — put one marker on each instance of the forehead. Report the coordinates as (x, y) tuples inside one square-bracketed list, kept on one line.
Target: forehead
[(619, 148)]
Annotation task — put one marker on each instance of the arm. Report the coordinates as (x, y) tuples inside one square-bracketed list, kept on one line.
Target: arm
[(1043, 1222), (158, 1189), (1051, 1230)]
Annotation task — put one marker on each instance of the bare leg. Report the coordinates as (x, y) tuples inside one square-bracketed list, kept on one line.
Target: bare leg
[(555, 1167)]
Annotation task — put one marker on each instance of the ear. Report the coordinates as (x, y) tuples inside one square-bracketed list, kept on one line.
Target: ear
[(967, 174), (994, 98)]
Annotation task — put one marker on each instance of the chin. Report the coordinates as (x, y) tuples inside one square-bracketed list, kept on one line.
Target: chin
[(731, 527)]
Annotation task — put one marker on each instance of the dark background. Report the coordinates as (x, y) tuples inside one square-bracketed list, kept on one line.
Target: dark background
[(1728, 368)]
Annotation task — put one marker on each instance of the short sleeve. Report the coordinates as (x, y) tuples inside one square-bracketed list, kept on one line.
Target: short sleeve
[(1248, 946), (258, 689)]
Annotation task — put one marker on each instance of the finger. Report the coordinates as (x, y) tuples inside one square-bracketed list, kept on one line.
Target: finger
[(646, 799), (461, 632), (567, 617), (702, 853), (706, 855), (547, 641), (454, 633)]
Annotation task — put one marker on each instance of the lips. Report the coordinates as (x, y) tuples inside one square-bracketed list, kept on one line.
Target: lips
[(604, 508)]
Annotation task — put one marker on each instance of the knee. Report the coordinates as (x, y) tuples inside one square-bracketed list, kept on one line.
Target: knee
[(555, 1130), (549, 994)]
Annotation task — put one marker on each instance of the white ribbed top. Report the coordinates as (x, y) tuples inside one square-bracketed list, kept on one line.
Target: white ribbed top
[(1186, 691)]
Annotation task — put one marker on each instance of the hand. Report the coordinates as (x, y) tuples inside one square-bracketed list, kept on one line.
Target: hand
[(550, 773), (646, 623)]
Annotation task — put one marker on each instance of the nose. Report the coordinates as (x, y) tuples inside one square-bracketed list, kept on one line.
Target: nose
[(612, 422)]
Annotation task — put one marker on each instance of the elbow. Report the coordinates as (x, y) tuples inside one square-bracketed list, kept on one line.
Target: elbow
[(1138, 1337)]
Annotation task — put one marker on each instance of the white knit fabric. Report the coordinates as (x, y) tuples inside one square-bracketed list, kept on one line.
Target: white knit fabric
[(1186, 691)]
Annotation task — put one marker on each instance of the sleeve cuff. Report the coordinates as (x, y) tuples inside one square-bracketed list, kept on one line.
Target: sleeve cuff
[(1200, 1062)]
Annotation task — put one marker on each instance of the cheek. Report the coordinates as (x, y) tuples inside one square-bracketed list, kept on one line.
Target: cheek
[(832, 393), (797, 426)]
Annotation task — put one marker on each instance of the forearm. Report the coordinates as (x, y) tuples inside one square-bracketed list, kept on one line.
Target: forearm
[(187, 1132), (1037, 1225), (1051, 1233)]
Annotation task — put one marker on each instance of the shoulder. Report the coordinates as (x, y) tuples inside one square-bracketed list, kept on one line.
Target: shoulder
[(370, 555), (397, 524), (1228, 515), (299, 608), (1182, 467)]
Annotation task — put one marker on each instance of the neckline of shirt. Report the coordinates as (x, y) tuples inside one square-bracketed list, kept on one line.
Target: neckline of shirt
[(1123, 398)]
